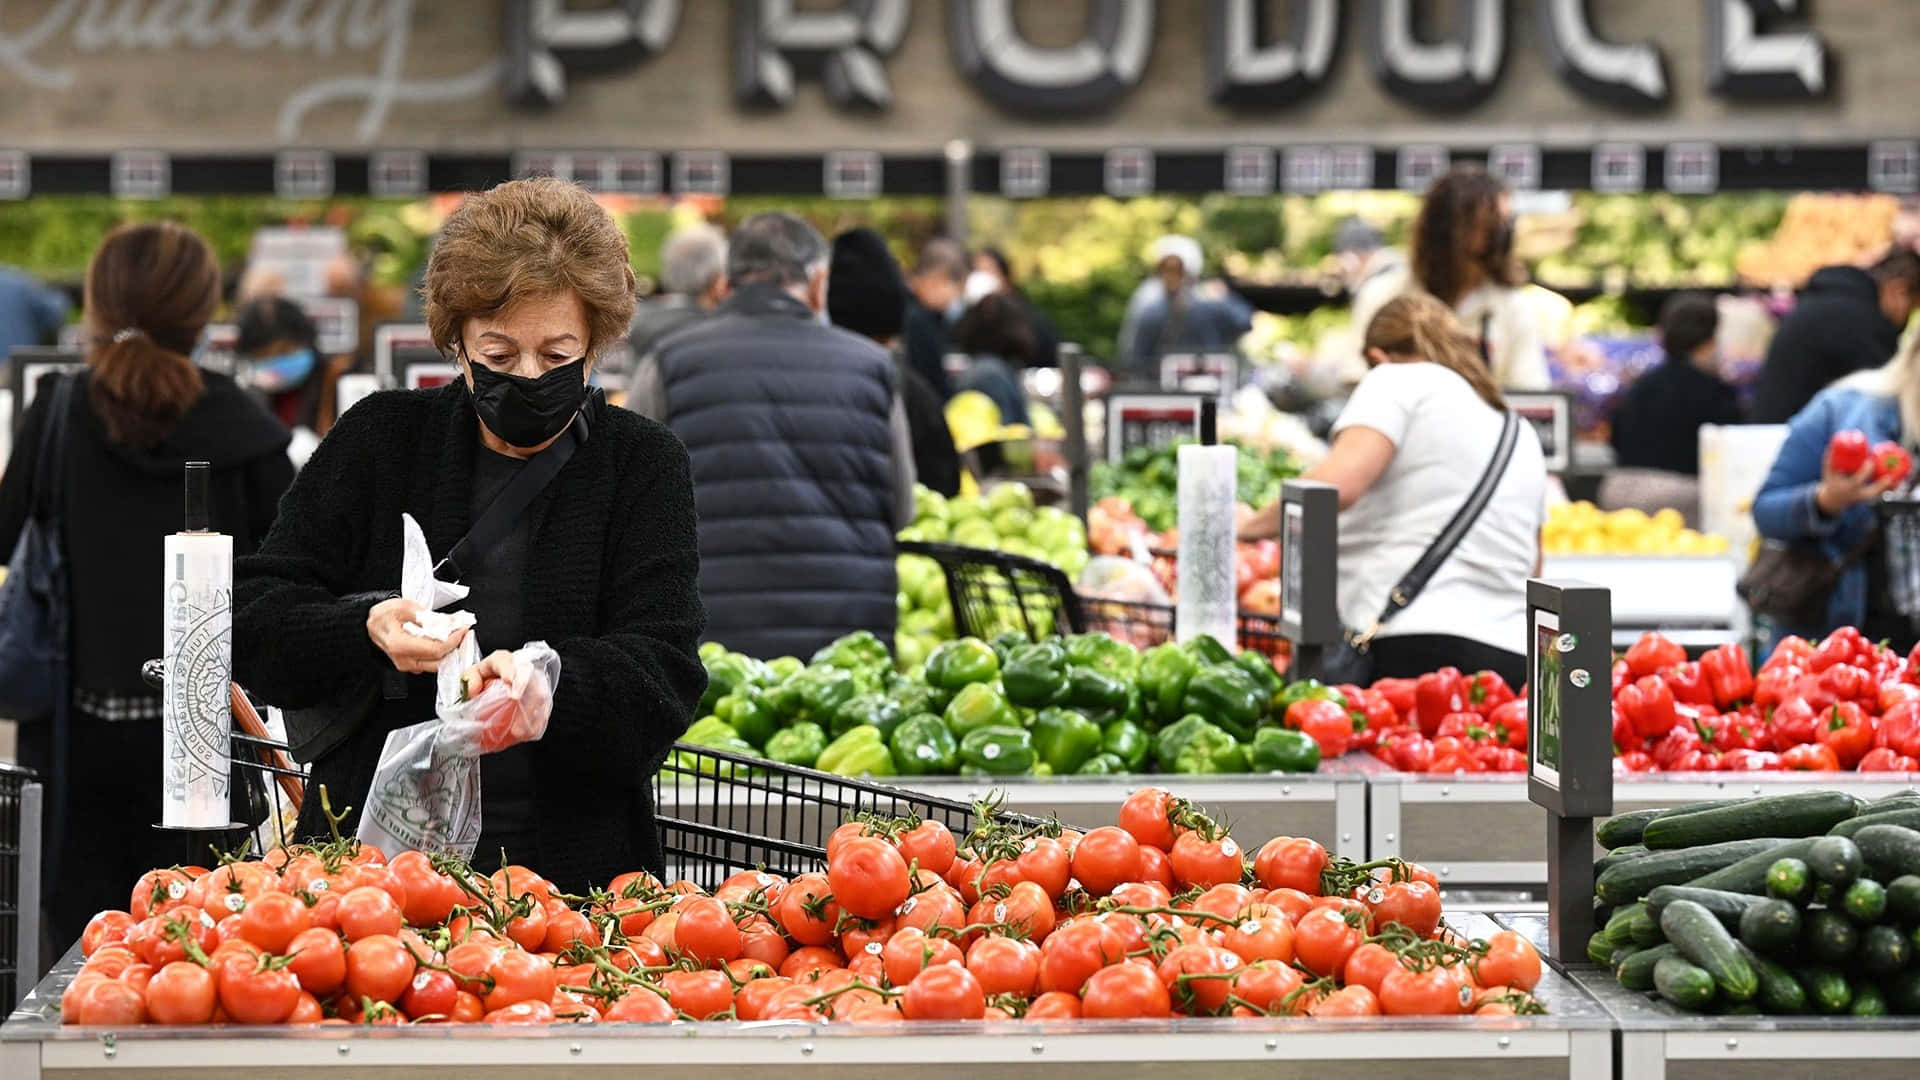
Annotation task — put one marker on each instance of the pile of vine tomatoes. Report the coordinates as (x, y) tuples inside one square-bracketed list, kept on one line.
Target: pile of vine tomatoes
[(1159, 915)]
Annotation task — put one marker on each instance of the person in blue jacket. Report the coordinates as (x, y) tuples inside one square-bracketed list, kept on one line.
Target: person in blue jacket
[(1806, 501)]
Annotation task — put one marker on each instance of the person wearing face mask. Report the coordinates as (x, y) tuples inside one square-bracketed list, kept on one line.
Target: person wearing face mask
[(1462, 254), (571, 522), (938, 283)]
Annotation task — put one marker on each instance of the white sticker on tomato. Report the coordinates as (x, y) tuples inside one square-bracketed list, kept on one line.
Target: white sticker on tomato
[(206, 919), (421, 980), (1251, 926), (874, 948), (999, 913), (1228, 847), (319, 885), (1376, 895), (907, 905), (990, 751), (234, 901), (176, 889), (1466, 996)]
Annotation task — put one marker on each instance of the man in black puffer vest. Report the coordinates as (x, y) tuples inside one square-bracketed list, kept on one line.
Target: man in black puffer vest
[(802, 460)]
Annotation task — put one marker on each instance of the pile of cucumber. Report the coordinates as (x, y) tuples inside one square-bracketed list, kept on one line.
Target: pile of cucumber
[(1803, 903)]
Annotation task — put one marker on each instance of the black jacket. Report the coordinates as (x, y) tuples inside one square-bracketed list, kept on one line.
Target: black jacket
[(118, 505), (1834, 330), (1657, 426), (926, 337), (935, 461), (789, 426), (610, 586)]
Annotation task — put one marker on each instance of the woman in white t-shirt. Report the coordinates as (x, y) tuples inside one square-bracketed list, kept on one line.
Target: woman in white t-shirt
[(1463, 254), (1407, 452)]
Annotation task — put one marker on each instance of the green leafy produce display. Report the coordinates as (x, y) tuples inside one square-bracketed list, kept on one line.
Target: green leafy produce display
[(1148, 478), (1779, 905), (1085, 704)]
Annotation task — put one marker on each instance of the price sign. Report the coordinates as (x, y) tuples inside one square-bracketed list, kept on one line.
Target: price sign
[(1249, 170), (429, 375), (1200, 373), (1306, 170), (1569, 743), (1128, 172), (1551, 415), (396, 174), (16, 175), (302, 174), (1309, 568), (1025, 172), (1136, 420), (1693, 168), (336, 323), (1419, 166), (851, 174), (1619, 168), (702, 172), (396, 346), (1516, 164), (298, 256)]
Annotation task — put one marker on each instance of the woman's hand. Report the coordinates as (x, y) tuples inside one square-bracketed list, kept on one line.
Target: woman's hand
[(411, 653), (498, 664), (1263, 524), (1839, 492)]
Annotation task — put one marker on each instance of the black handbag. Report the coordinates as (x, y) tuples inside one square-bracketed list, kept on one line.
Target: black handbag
[(1351, 662), (1793, 584), (35, 609)]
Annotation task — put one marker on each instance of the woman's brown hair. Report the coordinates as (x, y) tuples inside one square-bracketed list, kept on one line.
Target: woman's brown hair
[(524, 240), (1420, 327), (151, 289), (1460, 213)]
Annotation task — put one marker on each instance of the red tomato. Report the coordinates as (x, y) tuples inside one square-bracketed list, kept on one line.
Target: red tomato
[(1105, 858), (706, 931), (1268, 937), (1510, 960), (1128, 991), (107, 928), (1436, 991), (1072, 954), (257, 994), (273, 920), (807, 910), (1055, 1005), (379, 967), (1148, 815), (1004, 965), (1413, 904), (909, 952), (1287, 862), (928, 845), (944, 992), (1200, 861), (1323, 938), (868, 877), (181, 993), (366, 911)]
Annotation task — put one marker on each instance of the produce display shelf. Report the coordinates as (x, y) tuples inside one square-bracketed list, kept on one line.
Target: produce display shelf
[(1574, 1041), (1689, 598), (1480, 831), (1659, 1042)]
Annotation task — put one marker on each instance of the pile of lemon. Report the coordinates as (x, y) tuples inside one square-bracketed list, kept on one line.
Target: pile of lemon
[(1582, 528)]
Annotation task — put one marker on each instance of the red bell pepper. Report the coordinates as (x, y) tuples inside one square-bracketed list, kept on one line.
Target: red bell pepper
[(1793, 723), (1488, 691), (1848, 732), (1509, 724), (1810, 757), (1792, 649), (1749, 761), (1625, 738), (1468, 727), (1505, 759), (1696, 761), (1675, 745), (1729, 674), (1900, 729), (1636, 761), (1654, 653), (1895, 694), (1399, 694), (1891, 463), (1912, 669), (1408, 751), (1737, 731), (1848, 452), (1844, 646), (1882, 759), (1775, 683), (1815, 692), (1622, 674), (1649, 706), (1325, 722), (1437, 694), (1689, 682), (1849, 683)]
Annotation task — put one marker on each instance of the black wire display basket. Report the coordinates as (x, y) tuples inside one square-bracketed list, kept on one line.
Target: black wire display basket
[(722, 813), (19, 879), (994, 592)]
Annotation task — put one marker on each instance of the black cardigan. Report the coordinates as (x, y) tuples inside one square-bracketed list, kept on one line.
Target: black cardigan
[(611, 585)]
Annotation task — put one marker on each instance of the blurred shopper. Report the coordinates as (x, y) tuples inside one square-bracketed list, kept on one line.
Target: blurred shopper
[(693, 280), (30, 313), (1185, 317), (139, 412), (1407, 454), (993, 273), (1808, 503), (998, 342), (867, 294), (802, 455), (280, 348), (1846, 320), (528, 284), (939, 299), (1657, 425), (1463, 254)]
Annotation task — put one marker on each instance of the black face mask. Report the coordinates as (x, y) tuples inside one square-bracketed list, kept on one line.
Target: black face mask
[(527, 412), (1500, 242)]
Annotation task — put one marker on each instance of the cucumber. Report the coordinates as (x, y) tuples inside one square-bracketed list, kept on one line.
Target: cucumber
[(1602, 911), (1827, 989), (1683, 983), (1895, 800), (1599, 949), (1726, 906), (1703, 940), (1622, 829), (1618, 929), (1635, 970), (1771, 927), (1789, 879), (1806, 813), (1626, 882), (1865, 901), (1780, 993), (1903, 897), (1749, 875), (1644, 929), (1867, 1001), (1829, 938), (1835, 860), (1883, 951), (1892, 850), (1908, 817), (1903, 992), (1617, 855)]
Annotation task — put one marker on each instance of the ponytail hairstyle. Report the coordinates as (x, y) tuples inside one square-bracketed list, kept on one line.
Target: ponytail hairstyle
[(1418, 327), (151, 289)]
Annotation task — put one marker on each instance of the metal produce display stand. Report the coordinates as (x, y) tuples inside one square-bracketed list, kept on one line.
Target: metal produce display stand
[(1479, 831), (1689, 598), (1659, 1042), (1573, 1041)]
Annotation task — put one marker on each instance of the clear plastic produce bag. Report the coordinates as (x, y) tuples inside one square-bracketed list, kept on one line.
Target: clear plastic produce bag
[(426, 789)]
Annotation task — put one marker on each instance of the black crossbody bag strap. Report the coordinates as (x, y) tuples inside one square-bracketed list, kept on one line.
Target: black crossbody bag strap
[(503, 513), (1456, 530), (53, 447)]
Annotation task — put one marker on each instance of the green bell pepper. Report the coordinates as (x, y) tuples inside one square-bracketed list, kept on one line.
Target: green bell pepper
[(1035, 675), (711, 650), (726, 673), (1260, 666), (1227, 696), (998, 750), (1064, 739), (1102, 765), (749, 716), (1306, 690), (914, 696), (1006, 641), (799, 745), (1194, 746), (1208, 650), (1164, 673), (979, 705), (960, 663), (823, 690), (1283, 750), (782, 668), (923, 746), (1093, 690), (857, 651), (1105, 654), (709, 731), (875, 710), (1127, 741), (860, 752)]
